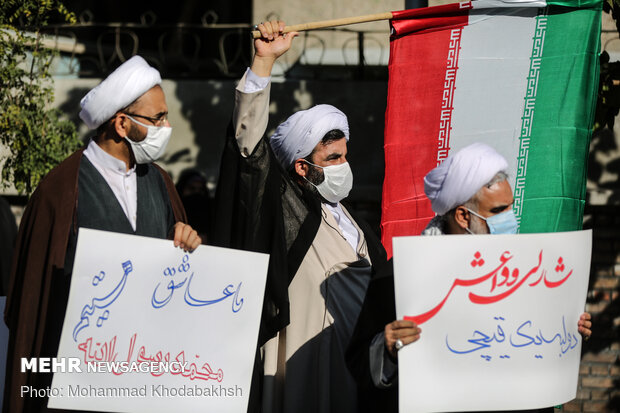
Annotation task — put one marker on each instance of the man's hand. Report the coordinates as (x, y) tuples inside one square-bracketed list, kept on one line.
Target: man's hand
[(584, 325), (271, 45), (406, 331), (185, 237)]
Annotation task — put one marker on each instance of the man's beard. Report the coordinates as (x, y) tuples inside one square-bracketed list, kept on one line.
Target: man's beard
[(314, 176), (478, 226), (134, 135)]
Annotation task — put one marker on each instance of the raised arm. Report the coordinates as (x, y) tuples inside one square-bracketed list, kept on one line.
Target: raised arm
[(251, 112)]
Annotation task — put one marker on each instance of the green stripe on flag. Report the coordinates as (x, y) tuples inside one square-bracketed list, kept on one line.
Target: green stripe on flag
[(576, 3), (556, 162)]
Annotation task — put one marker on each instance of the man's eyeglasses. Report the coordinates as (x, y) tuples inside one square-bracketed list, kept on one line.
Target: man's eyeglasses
[(158, 121)]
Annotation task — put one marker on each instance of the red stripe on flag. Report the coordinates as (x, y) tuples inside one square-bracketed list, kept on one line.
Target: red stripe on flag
[(429, 18), (417, 122)]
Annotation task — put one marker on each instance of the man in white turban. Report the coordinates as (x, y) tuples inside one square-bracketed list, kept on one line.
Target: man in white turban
[(467, 189), (109, 185), (470, 194), (282, 195)]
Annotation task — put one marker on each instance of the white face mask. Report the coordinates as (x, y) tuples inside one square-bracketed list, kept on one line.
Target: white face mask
[(153, 146), (337, 183)]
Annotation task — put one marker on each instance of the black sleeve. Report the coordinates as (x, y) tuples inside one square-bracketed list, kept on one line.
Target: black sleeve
[(378, 310), (248, 213)]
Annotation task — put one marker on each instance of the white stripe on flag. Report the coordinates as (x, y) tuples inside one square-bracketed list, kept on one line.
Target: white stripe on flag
[(491, 85), (483, 4)]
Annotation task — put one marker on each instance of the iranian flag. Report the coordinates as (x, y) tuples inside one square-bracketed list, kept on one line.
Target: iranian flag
[(518, 75)]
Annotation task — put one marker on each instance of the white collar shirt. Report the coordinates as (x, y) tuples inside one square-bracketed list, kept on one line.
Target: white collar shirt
[(348, 230), (122, 181)]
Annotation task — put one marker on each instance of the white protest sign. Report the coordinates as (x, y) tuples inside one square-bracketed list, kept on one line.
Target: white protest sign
[(157, 329), (498, 315)]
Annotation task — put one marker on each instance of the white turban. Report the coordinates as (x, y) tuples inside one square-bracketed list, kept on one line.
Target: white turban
[(127, 83), (297, 136), (461, 176)]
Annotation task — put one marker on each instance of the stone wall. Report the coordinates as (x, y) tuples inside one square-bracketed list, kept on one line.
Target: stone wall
[(599, 382)]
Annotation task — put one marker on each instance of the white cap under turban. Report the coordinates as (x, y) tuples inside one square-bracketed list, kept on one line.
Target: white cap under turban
[(127, 83), (461, 176), (297, 136)]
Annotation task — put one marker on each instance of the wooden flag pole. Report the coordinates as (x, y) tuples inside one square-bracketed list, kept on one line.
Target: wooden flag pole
[(332, 23)]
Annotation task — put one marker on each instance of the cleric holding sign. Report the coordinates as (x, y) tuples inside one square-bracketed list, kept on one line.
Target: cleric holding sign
[(110, 185), (470, 194)]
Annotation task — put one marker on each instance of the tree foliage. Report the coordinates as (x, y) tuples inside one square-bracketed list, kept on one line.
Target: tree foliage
[(34, 134)]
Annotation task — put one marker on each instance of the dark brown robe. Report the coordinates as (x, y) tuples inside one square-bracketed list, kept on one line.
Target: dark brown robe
[(38, 263)]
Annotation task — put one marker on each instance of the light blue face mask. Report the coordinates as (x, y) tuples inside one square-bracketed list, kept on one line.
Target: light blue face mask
[(502, 223)]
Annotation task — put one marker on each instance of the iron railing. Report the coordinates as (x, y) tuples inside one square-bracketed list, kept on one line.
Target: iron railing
[(206, 50)]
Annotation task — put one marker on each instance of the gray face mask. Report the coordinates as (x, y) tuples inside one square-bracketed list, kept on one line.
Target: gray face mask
[(337, 183), (153, 146)]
